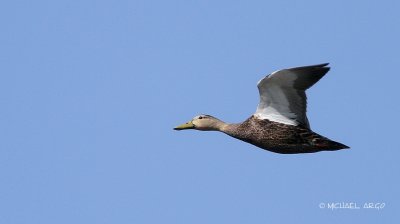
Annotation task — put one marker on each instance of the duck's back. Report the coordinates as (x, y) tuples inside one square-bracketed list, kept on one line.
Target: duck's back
[(282, 138)]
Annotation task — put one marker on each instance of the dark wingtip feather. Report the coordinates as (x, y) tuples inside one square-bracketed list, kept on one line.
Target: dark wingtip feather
[(310, 75), (322, 65)]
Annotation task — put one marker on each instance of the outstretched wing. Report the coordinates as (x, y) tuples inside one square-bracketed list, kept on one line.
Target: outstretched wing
[(282, 94)]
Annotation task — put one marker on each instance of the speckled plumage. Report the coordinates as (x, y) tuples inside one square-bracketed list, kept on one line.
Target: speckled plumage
[(281, 138), (280, 123)]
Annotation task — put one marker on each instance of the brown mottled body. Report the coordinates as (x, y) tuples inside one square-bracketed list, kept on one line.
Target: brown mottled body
[(280, 123), (280, 138)]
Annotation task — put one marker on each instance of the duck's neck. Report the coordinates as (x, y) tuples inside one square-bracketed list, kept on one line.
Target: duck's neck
[(225, 127), (215, 125), (230, 129)]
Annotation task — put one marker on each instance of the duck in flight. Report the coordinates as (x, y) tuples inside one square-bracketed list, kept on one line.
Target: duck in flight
[(280, 123)]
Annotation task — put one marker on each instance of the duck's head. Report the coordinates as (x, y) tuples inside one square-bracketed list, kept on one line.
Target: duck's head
[(202, 122)]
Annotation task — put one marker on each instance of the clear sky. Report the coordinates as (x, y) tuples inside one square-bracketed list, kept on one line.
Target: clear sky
[(90, 92)]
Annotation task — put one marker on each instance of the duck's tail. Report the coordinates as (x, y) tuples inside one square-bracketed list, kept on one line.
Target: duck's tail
[(329, 145)]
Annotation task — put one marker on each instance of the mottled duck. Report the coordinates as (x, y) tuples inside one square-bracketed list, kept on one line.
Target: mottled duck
[(280, 123)]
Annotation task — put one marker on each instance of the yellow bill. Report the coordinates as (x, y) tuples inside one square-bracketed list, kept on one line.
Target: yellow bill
[(188, 125)]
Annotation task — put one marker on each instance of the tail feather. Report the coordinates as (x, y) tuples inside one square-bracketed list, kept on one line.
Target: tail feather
[(328, 144)]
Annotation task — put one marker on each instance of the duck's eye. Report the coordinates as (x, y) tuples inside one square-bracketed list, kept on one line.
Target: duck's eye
[(200, 117)]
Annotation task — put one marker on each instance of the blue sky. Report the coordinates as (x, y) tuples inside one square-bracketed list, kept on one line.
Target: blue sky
[(90, 92)]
